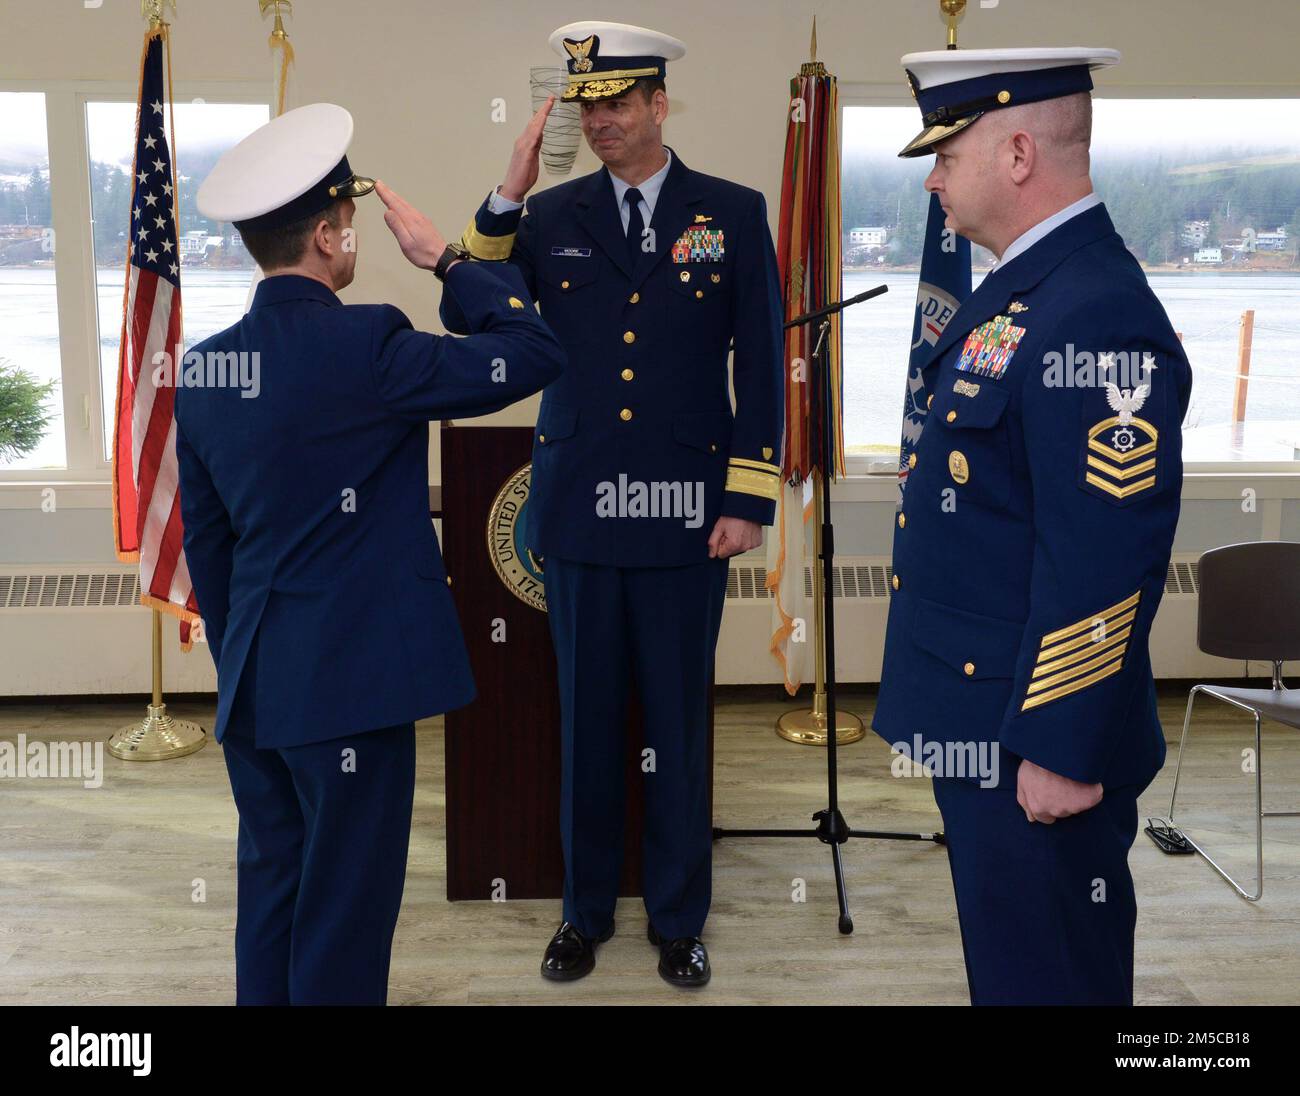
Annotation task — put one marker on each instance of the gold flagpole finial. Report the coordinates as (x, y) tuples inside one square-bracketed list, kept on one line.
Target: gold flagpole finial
[(153, 10), (812, 67), (278, 31), (952, 10)]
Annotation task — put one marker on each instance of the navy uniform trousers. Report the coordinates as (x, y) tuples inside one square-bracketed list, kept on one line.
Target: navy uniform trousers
[(1039, 905), (661, 624), (321, 861)]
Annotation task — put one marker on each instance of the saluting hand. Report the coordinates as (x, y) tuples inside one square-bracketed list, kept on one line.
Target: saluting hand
[(1046, 796), (419, 239), (521, 175)]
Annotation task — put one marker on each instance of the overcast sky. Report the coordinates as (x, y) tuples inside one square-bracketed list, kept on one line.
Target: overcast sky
[(1122, 125)]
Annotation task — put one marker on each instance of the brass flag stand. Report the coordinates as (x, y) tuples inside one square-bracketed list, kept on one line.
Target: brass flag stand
[(158, 736), (807, 727)]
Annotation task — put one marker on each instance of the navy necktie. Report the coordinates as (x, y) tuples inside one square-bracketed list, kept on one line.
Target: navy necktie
[(635, 224)]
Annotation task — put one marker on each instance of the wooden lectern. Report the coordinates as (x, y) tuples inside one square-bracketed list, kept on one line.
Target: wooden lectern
[(503, 750)]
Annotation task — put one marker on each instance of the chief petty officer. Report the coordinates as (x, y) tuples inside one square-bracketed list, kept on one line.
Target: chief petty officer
[(316, 568), (1035, 530), (648, 273)]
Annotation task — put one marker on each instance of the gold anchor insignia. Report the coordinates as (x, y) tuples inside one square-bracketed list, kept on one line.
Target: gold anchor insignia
[(579, 51)]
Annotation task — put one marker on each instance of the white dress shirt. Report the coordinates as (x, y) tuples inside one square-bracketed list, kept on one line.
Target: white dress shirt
[(1023, 243), (649, 194)]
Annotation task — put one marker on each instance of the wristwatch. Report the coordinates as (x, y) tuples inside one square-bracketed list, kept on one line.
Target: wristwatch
[(453, 253)]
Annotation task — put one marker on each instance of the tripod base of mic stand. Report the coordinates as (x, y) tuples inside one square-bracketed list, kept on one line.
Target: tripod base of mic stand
[(832, 830), (808, 728)]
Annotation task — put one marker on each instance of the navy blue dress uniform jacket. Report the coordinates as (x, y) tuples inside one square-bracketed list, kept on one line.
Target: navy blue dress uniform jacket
[(1031, 549), (306, 508), (645, 394)]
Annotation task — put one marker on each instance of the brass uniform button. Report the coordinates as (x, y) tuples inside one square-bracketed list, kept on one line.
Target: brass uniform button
[(625, 414), (911, 461), (902, 520), (515, 302), (564, 284), (541, 438), (629, 336), (969, 668), (951, 416), (627, 374), (1004, 97), (699, 293), (449, 580), (897, 584), (634, 298), (929, 401), (713, 447)]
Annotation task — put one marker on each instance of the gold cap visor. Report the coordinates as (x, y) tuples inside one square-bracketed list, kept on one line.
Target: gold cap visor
[(354, 187), (925, 141)]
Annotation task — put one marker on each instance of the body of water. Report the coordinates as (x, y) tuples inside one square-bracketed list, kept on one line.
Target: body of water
[(1206, 308)]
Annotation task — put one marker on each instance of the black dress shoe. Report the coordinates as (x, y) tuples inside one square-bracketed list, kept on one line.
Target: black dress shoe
[(570, 954), (682, 962)]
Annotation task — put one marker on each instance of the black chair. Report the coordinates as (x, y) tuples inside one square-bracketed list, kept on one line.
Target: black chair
[(1249, 609)]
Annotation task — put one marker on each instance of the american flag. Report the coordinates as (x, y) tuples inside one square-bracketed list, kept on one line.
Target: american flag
[(147, 510)]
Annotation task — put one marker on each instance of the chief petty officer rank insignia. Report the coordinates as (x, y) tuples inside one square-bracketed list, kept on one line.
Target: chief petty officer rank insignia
[(1120, 454), (990, 347)]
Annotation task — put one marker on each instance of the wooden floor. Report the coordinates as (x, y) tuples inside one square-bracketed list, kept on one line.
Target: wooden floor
[(96, 885)]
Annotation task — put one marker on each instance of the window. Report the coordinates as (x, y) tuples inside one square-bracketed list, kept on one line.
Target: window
[(1206, 193), (31, 398), (216, 270)]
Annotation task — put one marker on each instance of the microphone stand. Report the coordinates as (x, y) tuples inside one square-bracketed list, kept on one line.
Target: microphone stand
[(831, 828)]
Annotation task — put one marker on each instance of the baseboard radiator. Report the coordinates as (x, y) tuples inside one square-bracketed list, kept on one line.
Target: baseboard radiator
[(81, 631)]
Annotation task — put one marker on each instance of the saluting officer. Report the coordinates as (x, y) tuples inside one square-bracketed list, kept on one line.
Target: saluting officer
[(317, 570), (644, 482), (1035, 531)]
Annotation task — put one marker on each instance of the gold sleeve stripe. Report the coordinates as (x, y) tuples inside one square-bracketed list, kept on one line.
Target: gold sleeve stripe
[(1073, 686), (1120, 492), (1107, 626), (1050, 667), (490, 248), (1107, 653), (758, 465), (1082, 653), (749, 482), (1088, 622)]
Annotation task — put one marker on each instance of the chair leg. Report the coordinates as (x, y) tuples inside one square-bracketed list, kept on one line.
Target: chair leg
[(1259, 804), (1182, 745)]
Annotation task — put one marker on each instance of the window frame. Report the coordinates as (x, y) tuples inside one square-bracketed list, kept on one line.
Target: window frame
[(74, 263), (865, 94)]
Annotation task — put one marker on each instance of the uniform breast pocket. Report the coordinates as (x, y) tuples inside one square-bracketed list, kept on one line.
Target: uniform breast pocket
[(970, 420), (569, 280), (702, 286)]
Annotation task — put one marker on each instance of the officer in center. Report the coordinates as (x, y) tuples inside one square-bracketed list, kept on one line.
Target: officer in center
[(1036, 527), (644, 482)]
